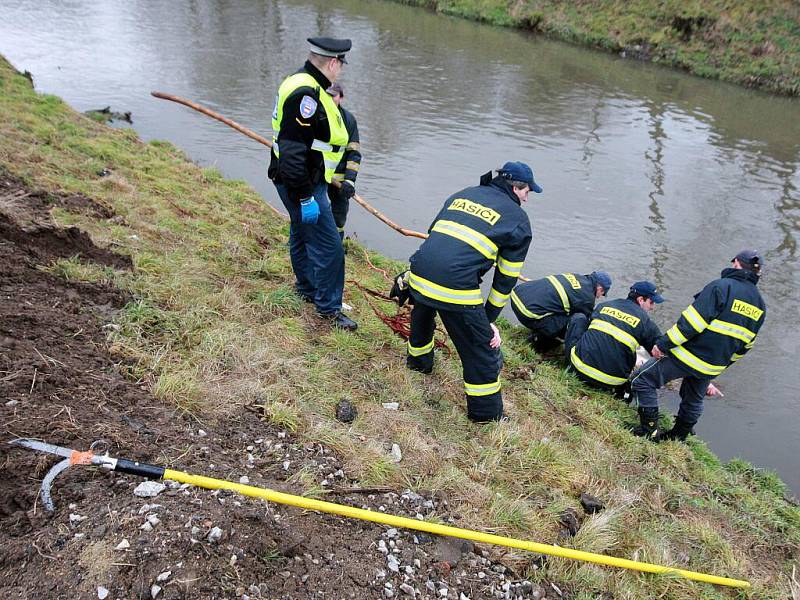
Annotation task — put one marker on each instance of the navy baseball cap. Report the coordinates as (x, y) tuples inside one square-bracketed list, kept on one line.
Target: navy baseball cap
[(604, 279), (647, 289), (519, 171), (748, 258)]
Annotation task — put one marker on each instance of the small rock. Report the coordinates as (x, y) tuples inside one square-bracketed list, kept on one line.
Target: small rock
[(591, 504), (153, 520), (409, 590), (443, 592), (149, 489), (391, 405), (201, 433), (102, 593), (214, 535), (392, 533), (73, 518), (569, 519), (463, 596), (14, 403), (396, 453), (393, 563), (244, 479), (163, 576), (146, 526), (346, 412), (286, 464), (123, 545), (155, 590)]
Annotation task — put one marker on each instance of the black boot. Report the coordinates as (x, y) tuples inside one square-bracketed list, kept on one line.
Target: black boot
[(648, 423), (680, 431), (340, 321)]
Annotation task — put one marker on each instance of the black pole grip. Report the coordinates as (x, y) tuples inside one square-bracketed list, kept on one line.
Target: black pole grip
[(133, 467)]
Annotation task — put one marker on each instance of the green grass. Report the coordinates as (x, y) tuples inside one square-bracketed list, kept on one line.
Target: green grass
[(755, 43), (214, 329)]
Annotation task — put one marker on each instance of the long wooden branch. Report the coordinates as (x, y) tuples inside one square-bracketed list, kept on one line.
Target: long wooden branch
[(268, 143)]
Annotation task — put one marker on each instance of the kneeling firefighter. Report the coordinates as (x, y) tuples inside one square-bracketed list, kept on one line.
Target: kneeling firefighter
[(602, 351), (478, 228)]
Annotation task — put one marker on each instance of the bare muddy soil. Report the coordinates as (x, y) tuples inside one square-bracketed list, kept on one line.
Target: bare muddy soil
[(60, 383)]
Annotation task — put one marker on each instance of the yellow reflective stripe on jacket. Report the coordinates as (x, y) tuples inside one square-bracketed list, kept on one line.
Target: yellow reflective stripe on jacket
[(498, 299), (469, 236), (695, 319), (444, 294), (561, 291), (506, 267), (675, 336), (698, 364), (618, 334), (731, 330), (352, 165), (736, 357), (595, 374), (421, 350), (524, 309), (353, 146), (482, 389)]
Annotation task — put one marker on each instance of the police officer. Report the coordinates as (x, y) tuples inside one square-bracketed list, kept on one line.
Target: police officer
[(603, 351), (347, 170), (715, 331), (477, 227), (310, 138), (545, 305)]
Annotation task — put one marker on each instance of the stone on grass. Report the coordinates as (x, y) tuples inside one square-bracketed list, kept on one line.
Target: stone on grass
[(396, 453), (102, 593), (214, 535), (155, 590), (346, 412), (591, 504), (123, 545)]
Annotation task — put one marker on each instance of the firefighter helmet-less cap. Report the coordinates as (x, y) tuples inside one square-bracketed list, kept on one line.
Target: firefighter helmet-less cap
[(604, 279), (519, 171), (647, 289), (335, 48), (748, 258)]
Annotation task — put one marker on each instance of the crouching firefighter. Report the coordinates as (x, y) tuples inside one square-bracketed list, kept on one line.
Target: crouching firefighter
[(715, 331), (602, 351), (478, 228), (544, 305)]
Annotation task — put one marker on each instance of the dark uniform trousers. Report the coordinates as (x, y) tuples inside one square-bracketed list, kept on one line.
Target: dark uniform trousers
[(470, 331), (340, 206), (316, 252), (551, 326), (656, 372)]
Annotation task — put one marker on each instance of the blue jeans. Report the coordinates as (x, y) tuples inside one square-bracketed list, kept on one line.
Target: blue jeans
[(316, 252)]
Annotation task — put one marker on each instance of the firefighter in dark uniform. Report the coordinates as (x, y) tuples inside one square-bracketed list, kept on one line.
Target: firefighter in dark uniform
[(347, 170), (602, 351), (478, 228), (310, 138), (715, 331), (545, 305)]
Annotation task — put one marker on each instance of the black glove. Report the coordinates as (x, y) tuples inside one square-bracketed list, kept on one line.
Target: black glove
[(348, 188), (400, 290)]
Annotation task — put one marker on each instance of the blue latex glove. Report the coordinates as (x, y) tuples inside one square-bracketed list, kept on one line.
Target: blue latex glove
[(309, 211)]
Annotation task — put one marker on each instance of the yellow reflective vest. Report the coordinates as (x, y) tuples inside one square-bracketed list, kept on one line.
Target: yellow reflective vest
[(332, 149)]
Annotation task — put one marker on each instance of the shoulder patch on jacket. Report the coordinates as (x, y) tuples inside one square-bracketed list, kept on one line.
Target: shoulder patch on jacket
[(308, 106)]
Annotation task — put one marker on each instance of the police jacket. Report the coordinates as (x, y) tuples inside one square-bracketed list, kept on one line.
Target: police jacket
[(303, 119), (607, 351), (351, 161), (477, 227), (720, 326), (562, 294)]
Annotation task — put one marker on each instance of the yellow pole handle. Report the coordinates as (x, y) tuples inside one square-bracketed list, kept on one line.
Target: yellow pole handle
[(476, 536)]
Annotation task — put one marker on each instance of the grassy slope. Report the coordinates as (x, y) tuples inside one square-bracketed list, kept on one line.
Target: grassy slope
[(215, 328), (755, 42)]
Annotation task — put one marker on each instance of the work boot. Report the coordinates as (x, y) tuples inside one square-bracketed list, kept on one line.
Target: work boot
[(340, 321), (680, 431), (648, 423)]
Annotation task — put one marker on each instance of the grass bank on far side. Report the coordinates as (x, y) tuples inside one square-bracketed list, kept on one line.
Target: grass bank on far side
[(214, 330), (755, 43)]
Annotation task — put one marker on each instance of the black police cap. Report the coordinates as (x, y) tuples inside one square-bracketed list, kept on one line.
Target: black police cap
[(333, 47)]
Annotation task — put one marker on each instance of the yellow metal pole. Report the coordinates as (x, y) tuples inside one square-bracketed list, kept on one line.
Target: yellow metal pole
[(476, 536)]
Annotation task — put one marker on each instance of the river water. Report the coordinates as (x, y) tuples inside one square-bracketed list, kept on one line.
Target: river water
[(648, 173)]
